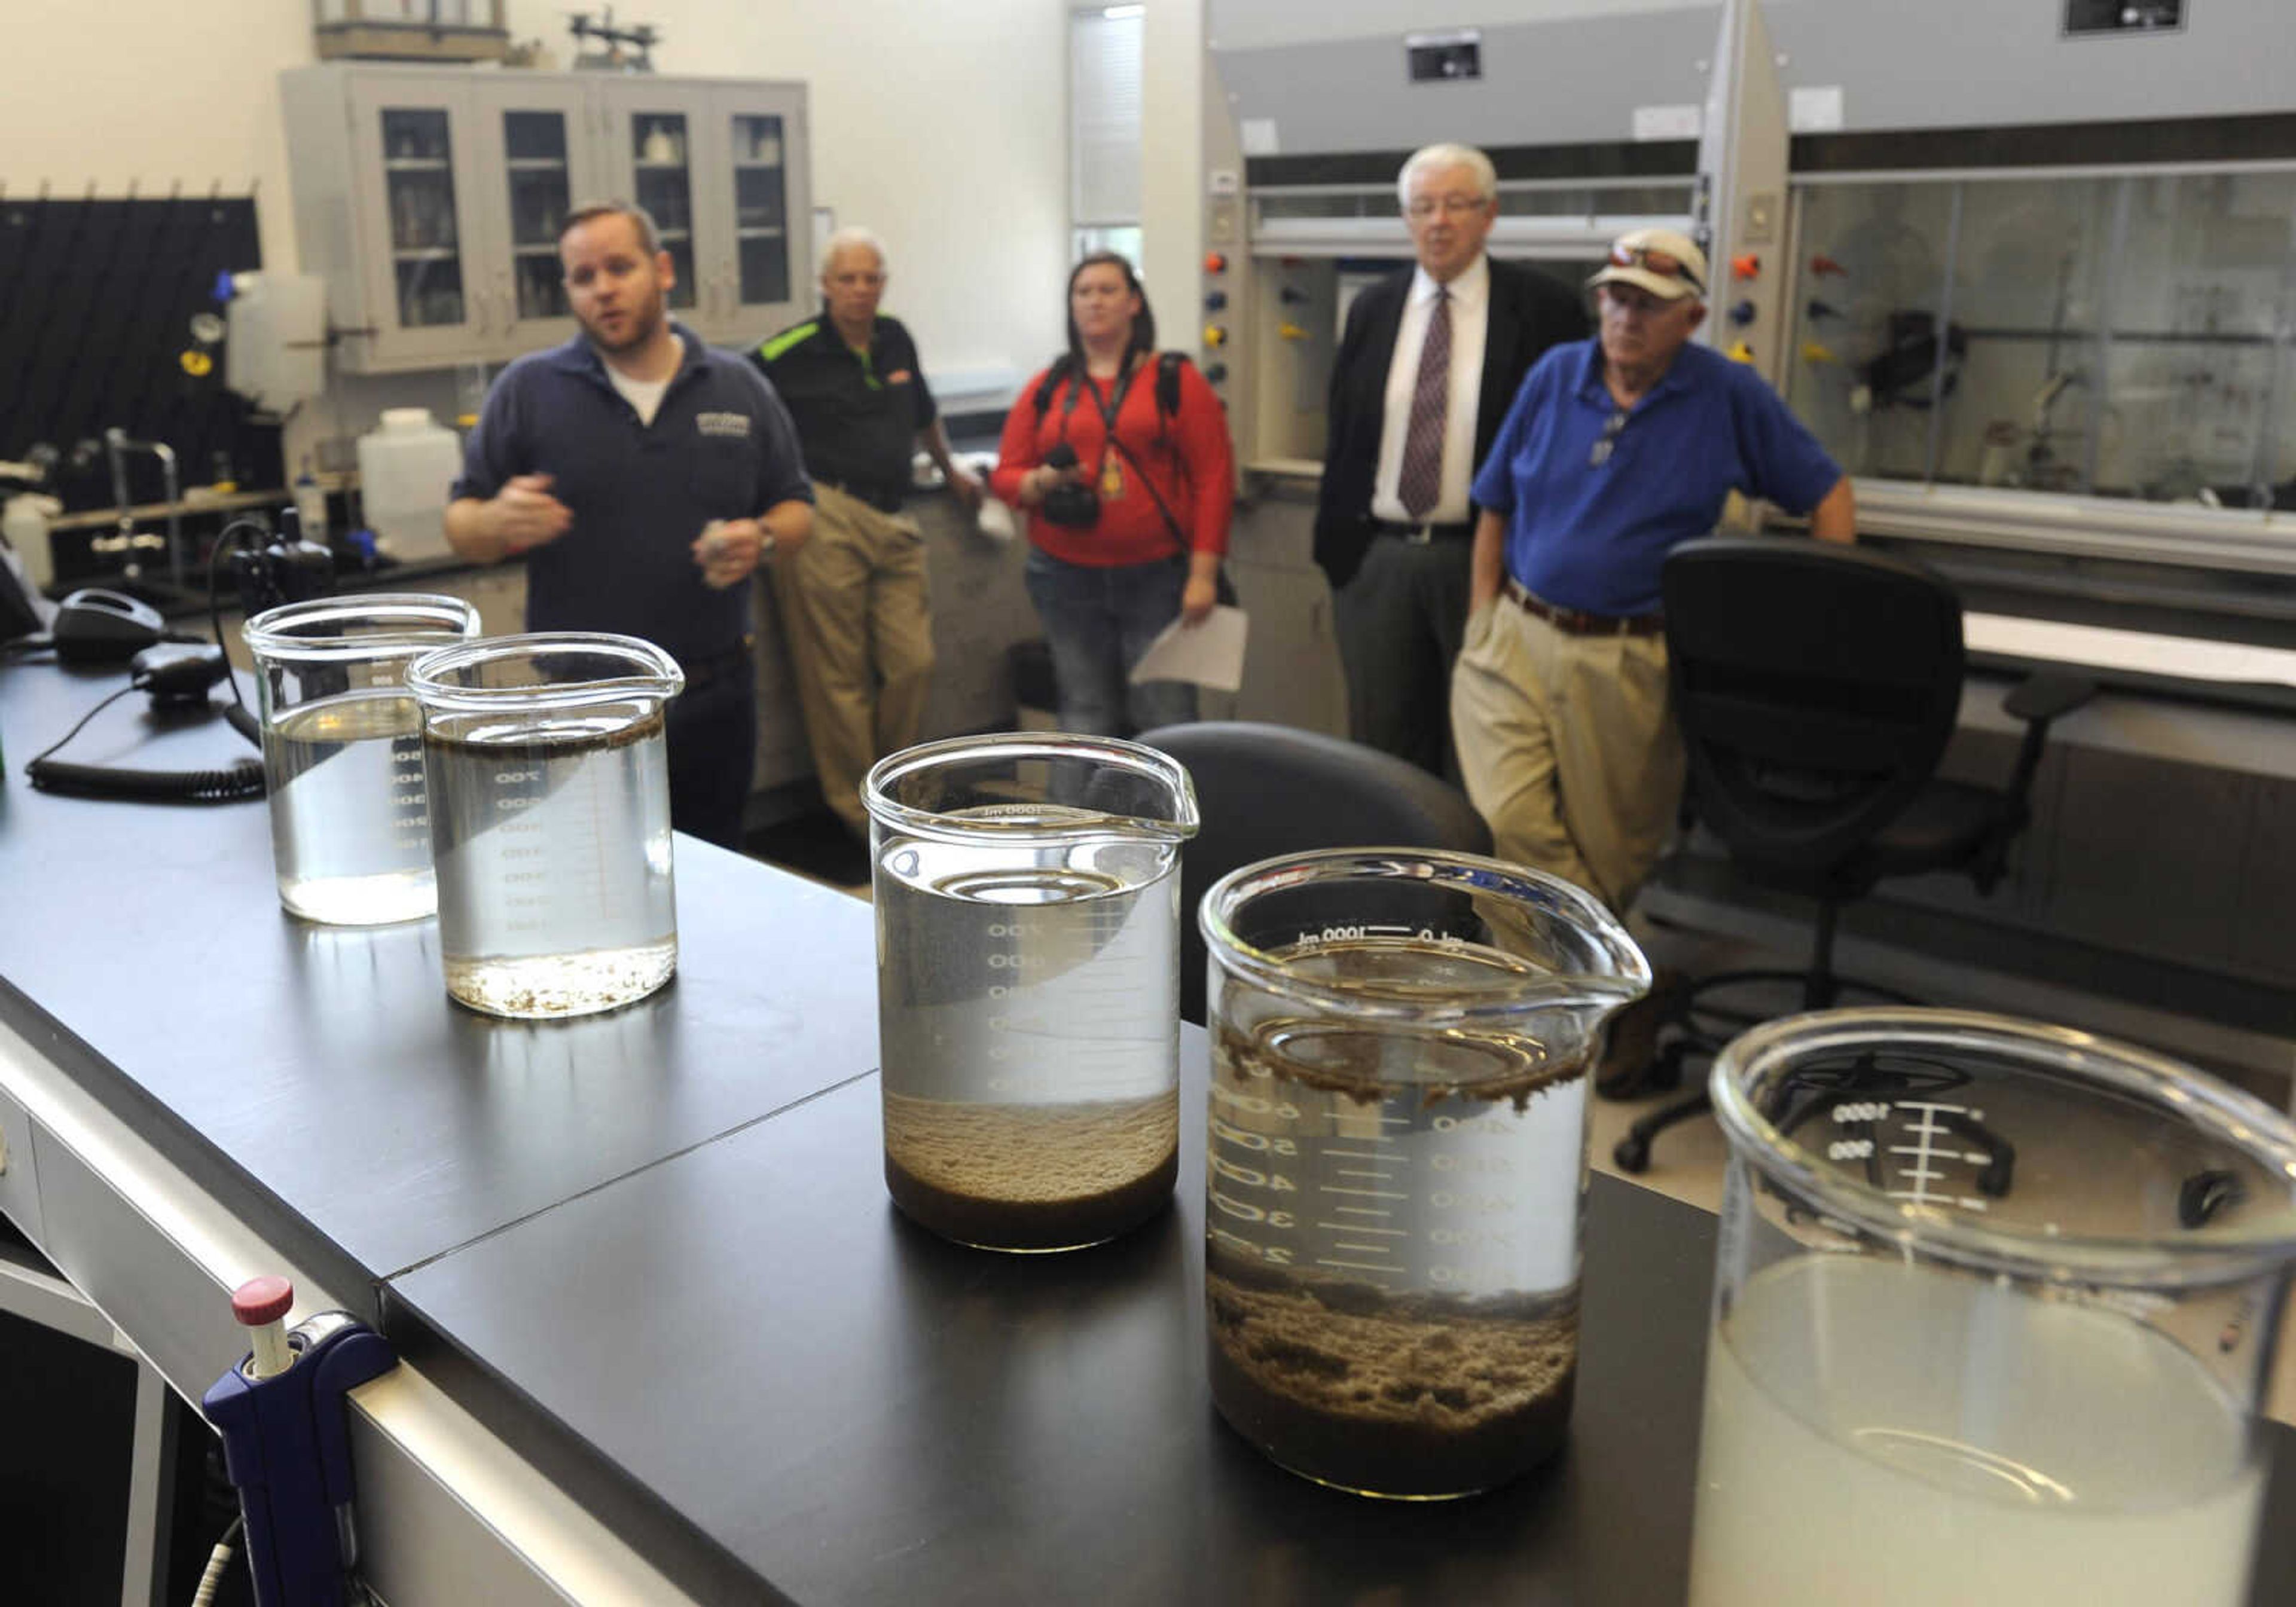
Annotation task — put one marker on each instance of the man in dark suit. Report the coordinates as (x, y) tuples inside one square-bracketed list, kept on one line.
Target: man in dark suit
[(1426, 370)]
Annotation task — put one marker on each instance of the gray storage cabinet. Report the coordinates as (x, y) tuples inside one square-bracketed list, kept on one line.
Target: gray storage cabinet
[(430, 199)]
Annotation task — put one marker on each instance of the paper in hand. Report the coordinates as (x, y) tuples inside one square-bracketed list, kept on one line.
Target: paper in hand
[(1211, 654)]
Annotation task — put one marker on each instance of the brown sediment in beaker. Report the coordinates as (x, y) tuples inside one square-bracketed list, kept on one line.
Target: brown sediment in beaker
[(543, 752), (1406, 1396), (1018, 1176), (1238, 1056)]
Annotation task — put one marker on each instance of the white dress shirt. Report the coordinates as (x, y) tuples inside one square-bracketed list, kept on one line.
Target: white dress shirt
[(1471, 306)]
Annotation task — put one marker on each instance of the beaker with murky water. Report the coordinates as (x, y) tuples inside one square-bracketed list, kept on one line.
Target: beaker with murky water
[(1028, 986), (1395, 1160), (1995, 1305), (343, 752), (549, 779)]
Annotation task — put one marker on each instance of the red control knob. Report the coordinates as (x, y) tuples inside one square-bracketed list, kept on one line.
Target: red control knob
[(261, 1301), (1214, 262), (1748, 266)]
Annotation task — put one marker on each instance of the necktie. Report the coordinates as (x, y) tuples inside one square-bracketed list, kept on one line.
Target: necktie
[(1420, 484)]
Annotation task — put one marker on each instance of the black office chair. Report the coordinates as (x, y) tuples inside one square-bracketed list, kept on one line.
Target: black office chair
[(1267, 789), (1816, 686)]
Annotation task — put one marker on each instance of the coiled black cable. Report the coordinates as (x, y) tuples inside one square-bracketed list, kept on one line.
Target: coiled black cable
[(230, 785)]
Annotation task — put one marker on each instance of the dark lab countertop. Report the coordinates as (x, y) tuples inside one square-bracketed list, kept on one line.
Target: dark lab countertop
[(655, 1251)]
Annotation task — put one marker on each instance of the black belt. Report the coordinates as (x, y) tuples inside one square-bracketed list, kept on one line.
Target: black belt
[(716, 666), (884, 499), (1423, 535)]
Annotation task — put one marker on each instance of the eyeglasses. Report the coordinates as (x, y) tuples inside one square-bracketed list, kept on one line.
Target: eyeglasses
[(1666, 265), (1608, 442), (1450, 206)]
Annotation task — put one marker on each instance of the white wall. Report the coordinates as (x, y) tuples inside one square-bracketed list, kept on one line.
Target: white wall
[(153, 93), (1173, 71), (941, 125)]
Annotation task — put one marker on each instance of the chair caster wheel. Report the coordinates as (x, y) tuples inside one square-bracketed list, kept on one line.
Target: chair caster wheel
[(1632, 1154)]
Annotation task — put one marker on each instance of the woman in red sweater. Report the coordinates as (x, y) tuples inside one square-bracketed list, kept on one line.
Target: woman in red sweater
[(1128, 496)]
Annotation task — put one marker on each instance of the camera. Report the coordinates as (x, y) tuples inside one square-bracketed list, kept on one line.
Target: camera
[(1069, 504)]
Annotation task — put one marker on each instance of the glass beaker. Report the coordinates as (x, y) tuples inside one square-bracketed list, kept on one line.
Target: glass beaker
[(550, 819), (342, 753), (1027, 898), (1402, 1043), (1993, 1310)]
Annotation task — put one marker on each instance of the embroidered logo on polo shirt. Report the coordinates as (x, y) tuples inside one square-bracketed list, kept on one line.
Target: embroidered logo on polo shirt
[(735, 424)]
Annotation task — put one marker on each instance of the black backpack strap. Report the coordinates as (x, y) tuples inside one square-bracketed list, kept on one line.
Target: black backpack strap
[(1168, 381), (1054, 374)]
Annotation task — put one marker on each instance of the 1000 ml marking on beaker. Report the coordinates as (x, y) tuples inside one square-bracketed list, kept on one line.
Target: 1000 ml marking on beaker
[(1392, 1246), (350, 829), (1027, 1022), (553, 846)]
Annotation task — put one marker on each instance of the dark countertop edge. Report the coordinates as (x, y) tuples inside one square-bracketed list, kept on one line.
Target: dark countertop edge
[(689, 1557), (211, 1169)]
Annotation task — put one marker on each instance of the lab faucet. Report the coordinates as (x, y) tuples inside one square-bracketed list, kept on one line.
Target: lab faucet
[(2040, 455), (117, 446)]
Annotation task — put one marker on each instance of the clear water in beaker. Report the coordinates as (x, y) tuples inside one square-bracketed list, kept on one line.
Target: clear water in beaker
[(1036, 1068), (342, 752), (1028, 988), (350, 831), (550, 823)]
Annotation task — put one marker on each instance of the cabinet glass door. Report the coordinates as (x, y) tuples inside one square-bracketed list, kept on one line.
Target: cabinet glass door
[(537, 171), (767, 270), (662, 160), (538, 162), (760, 211), (418, 195), (425, 233)]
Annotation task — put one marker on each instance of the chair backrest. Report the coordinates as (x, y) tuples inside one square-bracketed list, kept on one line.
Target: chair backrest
[(1267, 789), (1816, 684)]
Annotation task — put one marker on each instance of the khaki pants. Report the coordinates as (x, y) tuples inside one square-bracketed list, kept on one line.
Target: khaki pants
[(853, 601), (1568, 749)]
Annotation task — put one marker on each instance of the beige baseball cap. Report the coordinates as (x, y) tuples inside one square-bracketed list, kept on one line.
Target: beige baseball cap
[(1665, 262)]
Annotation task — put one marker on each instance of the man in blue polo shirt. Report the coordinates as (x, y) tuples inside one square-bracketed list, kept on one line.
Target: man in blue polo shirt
[(643, 476), (1617, 450)]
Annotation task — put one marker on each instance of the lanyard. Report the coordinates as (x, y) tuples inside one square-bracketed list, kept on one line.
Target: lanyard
[(1109, 407)]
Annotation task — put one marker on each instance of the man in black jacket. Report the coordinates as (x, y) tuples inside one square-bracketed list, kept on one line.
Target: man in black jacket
[(1426, 369)]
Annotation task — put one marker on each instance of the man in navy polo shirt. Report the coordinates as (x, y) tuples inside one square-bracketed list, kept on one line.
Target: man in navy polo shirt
[(1617, 450), (643, 476)]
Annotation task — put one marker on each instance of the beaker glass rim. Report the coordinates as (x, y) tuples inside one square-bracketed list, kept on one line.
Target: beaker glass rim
[(886, 810), (1615, 973), (403, 625), (654, 674), (2208, 1255)]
